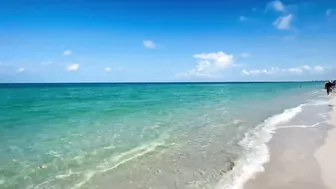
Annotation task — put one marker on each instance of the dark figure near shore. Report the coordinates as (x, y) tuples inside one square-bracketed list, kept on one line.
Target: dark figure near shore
[(328, 86)]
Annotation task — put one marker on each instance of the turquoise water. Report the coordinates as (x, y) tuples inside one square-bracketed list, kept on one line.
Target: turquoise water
[(96, 135)]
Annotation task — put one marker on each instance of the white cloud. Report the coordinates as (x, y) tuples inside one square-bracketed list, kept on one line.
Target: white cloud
[(72, 67), (245, 55), (283, 22), (245, 72), (295, 70), (210, 65), (318, 68), (270, 71), (67, 52), (149, 44), (217, 61), (306, 67), (108, 69), (20, 70), (277, 6), (251, 72), (242, 18), (314, 69), (328, 12)]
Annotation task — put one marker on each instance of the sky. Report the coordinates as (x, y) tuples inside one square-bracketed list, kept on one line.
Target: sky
[(153, 40)]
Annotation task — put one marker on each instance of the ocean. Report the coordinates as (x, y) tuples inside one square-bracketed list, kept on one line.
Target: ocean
[(146, 135)]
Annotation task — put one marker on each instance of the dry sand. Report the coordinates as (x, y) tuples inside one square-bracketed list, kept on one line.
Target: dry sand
[(301, 158), (326, 155)]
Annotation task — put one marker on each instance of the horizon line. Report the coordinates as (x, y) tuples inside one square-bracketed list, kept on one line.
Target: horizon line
[(158, 82)]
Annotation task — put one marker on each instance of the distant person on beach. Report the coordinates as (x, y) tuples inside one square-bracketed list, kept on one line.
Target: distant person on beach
[(328, 86)]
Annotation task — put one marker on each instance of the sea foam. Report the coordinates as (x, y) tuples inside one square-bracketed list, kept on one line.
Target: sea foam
[(257, 152)]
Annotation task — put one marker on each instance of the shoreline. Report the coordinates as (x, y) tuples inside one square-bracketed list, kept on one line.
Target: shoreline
[(300, 158)]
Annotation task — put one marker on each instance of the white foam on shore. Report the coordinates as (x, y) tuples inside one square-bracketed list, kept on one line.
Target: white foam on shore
[(301, 126), (257, 152)]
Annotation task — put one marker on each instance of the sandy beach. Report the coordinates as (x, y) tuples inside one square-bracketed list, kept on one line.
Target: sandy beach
[(301, 158), (326, 154)]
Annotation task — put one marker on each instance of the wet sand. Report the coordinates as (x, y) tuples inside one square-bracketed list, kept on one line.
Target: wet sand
[(300, 158)]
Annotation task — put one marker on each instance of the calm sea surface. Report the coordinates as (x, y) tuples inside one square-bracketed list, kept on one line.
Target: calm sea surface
[(141, 135)]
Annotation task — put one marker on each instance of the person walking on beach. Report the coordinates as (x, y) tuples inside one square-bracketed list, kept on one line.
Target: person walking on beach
[(328, 87)]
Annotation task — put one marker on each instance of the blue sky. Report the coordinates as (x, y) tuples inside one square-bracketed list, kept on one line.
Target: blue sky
[(152, 40)]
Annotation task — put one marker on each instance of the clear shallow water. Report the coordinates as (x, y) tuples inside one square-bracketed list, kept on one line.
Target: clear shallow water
[(141, 135)]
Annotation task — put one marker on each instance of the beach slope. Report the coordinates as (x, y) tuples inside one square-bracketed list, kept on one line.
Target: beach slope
[(301, 158), (326, 154)]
